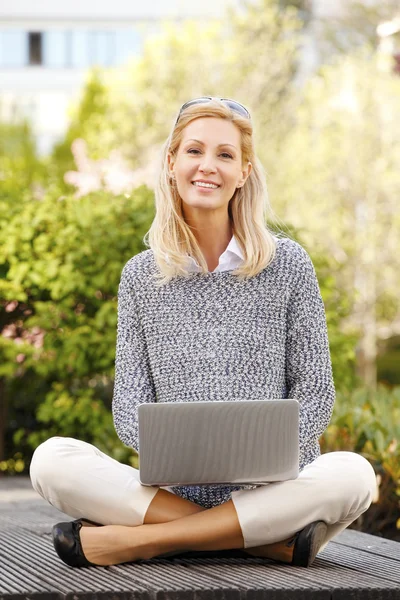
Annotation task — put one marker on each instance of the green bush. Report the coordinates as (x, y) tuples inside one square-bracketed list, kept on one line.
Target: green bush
[(338, 306), (389, 360), (368, 422), (61, 259)]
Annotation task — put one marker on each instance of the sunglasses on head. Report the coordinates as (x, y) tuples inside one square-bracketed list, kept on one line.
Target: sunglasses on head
[(232, 104)]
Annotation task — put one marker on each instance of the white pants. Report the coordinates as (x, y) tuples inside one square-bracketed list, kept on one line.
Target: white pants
[(82, 481)]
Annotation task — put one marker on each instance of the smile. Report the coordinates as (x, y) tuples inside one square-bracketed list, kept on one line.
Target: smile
[(206, 185)]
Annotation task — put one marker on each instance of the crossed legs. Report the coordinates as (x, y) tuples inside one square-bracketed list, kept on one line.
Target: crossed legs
[(213, 529), (165, 505), (164, 532), (142, 522)]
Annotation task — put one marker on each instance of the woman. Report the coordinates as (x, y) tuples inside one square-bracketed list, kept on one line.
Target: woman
[(220, 309)]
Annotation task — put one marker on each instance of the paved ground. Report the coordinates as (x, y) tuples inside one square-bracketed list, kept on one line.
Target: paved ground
[(15, 489)]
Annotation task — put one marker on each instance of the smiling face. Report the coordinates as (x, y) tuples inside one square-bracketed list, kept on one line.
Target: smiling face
[(208, 164)]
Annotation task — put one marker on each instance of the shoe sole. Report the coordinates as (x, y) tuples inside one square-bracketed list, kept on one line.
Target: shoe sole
[(318, 537), (317, 541)]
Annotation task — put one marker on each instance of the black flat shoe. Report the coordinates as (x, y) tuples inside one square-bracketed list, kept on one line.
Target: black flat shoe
[(308, 542), (67, 543)]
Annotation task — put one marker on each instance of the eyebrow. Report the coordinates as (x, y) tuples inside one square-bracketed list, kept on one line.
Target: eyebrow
[(202, 143)]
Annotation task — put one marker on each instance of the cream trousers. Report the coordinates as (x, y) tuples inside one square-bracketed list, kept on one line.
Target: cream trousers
[(82, 481)]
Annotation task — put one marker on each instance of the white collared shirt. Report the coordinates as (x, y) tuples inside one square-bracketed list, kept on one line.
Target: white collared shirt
[(228, 261)]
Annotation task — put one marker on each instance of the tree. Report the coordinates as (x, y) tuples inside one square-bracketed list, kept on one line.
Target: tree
[(21, 170), (341, 182), (355, 26), (88, 120)]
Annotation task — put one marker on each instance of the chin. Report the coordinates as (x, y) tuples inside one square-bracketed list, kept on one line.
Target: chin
[(207, 203)]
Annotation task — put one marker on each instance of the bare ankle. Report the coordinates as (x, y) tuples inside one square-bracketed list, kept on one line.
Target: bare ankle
[(282, 551), (151, 542)]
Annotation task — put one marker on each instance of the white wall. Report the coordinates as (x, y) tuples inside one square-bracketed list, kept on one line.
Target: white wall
[(51, 12)]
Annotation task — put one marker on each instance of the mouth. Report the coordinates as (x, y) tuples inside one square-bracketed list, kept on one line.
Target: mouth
[(205, 185)]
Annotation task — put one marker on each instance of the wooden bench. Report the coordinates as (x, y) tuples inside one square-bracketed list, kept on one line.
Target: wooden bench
[(353, 566)]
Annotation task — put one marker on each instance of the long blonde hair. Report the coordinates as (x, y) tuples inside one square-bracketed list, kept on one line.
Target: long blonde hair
[(169, 236)]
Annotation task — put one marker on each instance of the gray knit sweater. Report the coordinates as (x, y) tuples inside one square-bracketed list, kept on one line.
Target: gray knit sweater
[(214, 337)]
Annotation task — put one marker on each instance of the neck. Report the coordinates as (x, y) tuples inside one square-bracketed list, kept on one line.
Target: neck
[(213, 241)]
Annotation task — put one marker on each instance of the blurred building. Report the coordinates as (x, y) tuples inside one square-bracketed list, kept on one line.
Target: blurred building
[(46, 48)]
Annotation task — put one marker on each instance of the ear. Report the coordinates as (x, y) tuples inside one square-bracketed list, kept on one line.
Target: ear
[(245, 174), (171, 164)]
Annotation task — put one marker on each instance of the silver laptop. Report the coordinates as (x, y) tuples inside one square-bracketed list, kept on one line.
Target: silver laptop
[(218, 442)]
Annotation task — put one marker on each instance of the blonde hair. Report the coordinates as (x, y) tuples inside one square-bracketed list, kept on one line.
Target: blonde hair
[(171, 238)]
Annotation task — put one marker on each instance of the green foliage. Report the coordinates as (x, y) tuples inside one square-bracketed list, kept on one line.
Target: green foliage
[(21, 171), (14, 465), (389, 361), (62, 259), (368, 422), (338, 304), (76, 413), (88, 120), (340, 185)]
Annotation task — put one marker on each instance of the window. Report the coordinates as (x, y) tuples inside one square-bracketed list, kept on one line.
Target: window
[(57, 49), (79, 48), (35, 48), (13, 49), (102, 48), (128, 43)]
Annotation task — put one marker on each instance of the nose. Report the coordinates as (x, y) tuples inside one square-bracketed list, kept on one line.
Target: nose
[(207, 164)]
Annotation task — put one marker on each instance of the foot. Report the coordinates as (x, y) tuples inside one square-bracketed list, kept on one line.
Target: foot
[(299, 550), (113, 544), (282, 551)]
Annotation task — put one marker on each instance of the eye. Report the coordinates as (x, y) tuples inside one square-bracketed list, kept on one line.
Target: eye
[(196, 151)]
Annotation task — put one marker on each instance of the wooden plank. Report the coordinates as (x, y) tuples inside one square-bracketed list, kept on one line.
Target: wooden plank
[(43, 566), (259, 575), (215, 576), (363, 562), (345, 584), (31, 516), (339, 582), (353, 566), (371, 543)]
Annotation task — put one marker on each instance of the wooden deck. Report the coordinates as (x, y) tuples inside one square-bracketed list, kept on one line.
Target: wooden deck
[(354, 566)]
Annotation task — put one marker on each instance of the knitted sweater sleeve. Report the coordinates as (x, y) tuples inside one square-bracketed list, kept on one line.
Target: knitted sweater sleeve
[(308, 364), (133, 381)]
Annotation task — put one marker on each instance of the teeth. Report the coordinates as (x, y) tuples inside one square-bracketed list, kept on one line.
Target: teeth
[(201, 184)]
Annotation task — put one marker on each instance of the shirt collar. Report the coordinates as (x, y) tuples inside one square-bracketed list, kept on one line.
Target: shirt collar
[(229, 260)]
